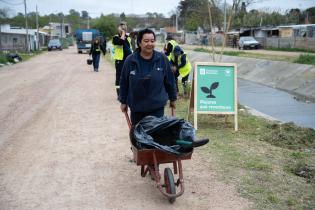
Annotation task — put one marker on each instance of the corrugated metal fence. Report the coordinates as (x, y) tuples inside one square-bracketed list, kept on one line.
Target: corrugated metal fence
[(293, 42)]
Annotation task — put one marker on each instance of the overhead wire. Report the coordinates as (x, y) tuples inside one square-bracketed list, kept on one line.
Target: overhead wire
[(12, 4)]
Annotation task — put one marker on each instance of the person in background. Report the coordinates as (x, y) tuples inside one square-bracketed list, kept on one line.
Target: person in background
[(122, 48), (133, 36), (180, 67), (169, 46), (234, 41), (104, 43), (147, 81), (95, 51)]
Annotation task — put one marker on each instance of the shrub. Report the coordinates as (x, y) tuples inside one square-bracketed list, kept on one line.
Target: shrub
[(306, 59)]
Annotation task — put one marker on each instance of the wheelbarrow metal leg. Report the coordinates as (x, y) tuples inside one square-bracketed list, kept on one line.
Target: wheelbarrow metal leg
[(175, 167)]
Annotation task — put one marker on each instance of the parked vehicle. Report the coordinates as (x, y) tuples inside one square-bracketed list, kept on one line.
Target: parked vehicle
[(248, 42), (54, 44), (84, 38)]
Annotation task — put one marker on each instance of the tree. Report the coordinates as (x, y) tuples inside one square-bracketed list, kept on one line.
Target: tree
[(4, 15), (106, 24), (122, 17), (84, 14), (18, 20), (74, 19), (5, 12), (294, 16), (310, 15), (192, 14)]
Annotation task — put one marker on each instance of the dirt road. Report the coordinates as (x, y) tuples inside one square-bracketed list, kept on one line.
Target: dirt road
[(64, 144)]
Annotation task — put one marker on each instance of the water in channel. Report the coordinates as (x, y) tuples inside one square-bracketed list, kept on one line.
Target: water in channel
[(276, 103)]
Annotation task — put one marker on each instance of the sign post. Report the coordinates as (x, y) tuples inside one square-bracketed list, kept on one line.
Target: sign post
[(215, 90)]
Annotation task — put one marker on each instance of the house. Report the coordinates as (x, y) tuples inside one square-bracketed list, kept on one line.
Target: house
[(14, 38), (303, 30), (291, 36), (57, 30), (289, 31)]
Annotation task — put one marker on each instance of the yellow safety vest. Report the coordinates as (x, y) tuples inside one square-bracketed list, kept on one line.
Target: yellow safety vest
[(185, 70), (119, 51), (174, 44)]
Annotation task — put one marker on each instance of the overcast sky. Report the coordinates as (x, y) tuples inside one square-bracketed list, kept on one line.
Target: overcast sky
[(96, 7)]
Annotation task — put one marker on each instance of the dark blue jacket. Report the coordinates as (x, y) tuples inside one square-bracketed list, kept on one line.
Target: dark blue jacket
[(145, 94)]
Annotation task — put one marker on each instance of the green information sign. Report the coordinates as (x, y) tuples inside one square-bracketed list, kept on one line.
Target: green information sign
[(215, 89)]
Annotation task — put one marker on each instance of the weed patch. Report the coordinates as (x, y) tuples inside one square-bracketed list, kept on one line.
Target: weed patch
[(291, 50), (3, 58), (234, 53), (304, 170), (306, 59), (289, 136), (201, 50)]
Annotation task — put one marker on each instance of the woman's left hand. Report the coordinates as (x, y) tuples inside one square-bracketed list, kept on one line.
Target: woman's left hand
[(173, 104)]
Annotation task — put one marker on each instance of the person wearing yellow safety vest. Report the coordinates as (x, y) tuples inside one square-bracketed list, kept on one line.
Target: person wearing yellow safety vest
[(180, 66), (169, 47), (122, 48), (95, 51)]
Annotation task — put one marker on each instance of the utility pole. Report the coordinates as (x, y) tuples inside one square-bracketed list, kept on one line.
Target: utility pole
[(88, 22), (26, 26), (0, 40), (176, 20), (50, 27), (224, 16), (37, 37), (61, 26)]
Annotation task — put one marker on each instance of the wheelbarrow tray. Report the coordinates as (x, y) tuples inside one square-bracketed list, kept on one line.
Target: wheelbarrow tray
[(145, 156)]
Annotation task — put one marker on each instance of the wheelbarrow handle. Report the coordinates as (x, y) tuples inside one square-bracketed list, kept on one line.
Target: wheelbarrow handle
[(128, 119)]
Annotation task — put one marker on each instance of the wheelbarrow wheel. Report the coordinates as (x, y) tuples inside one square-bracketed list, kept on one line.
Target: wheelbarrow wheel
[(169, 183)]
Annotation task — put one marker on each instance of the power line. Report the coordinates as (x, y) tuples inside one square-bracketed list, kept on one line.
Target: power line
[(10, 3)]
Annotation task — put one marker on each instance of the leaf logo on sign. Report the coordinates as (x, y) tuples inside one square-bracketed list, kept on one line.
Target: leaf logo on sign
[(213, 86)]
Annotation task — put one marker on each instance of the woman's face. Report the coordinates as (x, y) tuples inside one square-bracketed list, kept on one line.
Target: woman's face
[(96, 41), (147, 43)]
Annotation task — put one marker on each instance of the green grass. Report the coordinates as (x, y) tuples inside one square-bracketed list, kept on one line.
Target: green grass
[(251, 55), (306, 59), (3, 58), (202, 50), (234, 53), (272, 173), (291, 49)]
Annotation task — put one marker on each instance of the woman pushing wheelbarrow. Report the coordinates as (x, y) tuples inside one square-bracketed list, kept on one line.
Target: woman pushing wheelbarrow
[(146, 84)]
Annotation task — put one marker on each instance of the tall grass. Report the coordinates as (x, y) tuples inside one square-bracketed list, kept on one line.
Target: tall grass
[(3, 58), (306, 59), (291, 49)]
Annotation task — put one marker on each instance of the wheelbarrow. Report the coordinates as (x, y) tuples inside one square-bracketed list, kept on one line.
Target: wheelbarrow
[(150, 159)]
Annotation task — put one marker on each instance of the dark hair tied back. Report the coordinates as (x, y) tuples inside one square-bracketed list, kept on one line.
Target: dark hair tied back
[(142, 32)]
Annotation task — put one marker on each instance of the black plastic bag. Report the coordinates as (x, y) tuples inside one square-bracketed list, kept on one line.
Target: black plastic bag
[(14, 57), (161, 133)]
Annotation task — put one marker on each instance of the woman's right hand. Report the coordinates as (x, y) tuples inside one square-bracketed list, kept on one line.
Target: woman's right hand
[(173, 104), (123, 107)]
